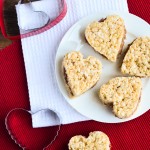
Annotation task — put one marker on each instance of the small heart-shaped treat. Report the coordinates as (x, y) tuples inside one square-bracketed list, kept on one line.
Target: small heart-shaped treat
[(137, 59), (96, 141), (107, 36), (80, 74), (123, 93)]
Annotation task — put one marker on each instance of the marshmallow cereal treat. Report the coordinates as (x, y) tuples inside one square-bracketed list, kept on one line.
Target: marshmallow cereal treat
[(123, 93), (107, 36), (96, 141), (80, 74), (137, 59)]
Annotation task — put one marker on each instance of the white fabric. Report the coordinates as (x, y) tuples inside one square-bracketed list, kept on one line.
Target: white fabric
[(27, 12), (39, 56)]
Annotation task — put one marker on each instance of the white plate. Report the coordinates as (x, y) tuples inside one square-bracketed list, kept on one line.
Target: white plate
[(89, 104)]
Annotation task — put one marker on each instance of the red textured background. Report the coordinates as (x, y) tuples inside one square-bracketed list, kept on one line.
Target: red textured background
[(133, 135)]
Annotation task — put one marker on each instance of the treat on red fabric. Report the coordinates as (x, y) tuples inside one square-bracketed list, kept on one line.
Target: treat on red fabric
[(95, 140)]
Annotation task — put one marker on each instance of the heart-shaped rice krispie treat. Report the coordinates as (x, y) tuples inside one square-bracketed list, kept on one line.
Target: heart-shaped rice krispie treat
[(96, 141), (107, 36), (137, 59), (123, 93), (80, 74)]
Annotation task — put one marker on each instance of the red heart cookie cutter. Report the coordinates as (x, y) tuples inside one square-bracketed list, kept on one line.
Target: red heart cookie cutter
[(35, 32), (19, 125)]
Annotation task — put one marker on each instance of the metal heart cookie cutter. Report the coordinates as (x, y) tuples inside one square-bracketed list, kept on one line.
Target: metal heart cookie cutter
[(54, 117), (35, 19)]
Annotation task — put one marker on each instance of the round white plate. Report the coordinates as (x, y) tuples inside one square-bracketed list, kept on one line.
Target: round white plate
[(88, 104)]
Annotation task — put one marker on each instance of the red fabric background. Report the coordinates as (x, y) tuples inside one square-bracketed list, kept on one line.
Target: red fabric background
[(133, 135)]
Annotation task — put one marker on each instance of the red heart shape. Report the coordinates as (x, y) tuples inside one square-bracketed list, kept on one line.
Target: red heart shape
[(19, 125)]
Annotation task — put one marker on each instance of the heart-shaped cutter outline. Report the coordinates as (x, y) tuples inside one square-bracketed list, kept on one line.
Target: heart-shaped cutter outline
[(43, 29), (29, 112)]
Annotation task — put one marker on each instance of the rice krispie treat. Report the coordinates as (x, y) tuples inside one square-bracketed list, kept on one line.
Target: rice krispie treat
[(96, 141), (80, 74), (137, 59), (123, 93), (107, 36)]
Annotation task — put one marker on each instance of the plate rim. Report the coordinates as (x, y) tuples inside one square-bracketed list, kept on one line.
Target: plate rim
[(63, 39)]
